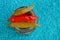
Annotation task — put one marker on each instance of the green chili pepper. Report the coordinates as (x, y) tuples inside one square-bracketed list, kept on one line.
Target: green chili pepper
[(23, 24), (23, 10)]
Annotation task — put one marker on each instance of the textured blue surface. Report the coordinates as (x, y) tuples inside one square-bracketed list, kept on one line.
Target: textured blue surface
[(48, 12)]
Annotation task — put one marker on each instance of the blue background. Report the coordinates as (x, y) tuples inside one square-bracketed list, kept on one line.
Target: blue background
[(48, 12)]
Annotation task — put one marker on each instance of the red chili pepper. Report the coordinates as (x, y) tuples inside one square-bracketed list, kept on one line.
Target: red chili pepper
[(33, 17), (23, 18)]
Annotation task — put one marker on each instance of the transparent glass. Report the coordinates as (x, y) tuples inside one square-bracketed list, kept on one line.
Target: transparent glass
[(26, 30)]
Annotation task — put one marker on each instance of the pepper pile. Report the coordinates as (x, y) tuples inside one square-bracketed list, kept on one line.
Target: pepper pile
[(21, 20)]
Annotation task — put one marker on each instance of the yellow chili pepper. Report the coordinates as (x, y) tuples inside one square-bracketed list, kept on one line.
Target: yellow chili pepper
[(23, 10), (23, 24)]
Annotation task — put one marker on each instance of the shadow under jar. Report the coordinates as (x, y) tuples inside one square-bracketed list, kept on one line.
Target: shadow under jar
[(26, 30)]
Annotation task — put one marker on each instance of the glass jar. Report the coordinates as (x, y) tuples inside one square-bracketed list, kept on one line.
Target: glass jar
[(26, 30)]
